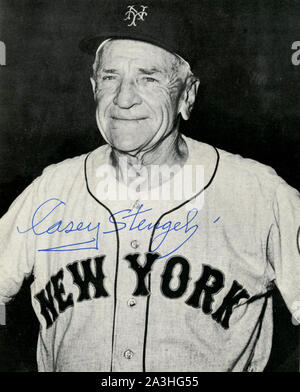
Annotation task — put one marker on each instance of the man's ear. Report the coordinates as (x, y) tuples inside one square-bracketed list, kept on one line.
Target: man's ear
[(93, 86), (189, 96)]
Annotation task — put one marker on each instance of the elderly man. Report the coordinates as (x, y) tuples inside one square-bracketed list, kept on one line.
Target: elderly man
[(177, 283), (140, 89)]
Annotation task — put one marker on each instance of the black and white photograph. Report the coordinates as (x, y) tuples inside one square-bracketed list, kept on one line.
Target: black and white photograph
[(149, 183)]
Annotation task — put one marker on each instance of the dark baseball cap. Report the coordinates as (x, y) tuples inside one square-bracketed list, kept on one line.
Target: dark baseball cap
[(167, 24)]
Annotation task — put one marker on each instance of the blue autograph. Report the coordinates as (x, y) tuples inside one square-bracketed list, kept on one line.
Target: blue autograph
[(58, 227), (121, 219)]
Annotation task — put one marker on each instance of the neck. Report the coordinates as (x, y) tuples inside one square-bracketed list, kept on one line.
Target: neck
[(172, 150)]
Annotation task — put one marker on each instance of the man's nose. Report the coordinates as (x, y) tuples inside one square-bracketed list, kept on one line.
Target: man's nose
[(127, 95)]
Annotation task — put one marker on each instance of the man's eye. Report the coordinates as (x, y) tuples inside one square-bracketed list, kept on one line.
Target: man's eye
[(150, 80), (108, 77)]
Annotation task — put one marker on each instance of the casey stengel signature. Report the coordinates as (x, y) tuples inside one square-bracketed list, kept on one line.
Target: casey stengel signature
[(41, 225)]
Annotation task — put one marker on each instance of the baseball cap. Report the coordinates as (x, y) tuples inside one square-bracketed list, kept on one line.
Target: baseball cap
[(160, 22)]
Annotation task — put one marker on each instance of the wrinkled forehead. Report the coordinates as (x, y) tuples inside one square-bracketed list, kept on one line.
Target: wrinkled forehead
[(114, 51)]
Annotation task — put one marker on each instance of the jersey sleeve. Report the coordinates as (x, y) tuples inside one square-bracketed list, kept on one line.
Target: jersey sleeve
[(284, 243), (16, 260)]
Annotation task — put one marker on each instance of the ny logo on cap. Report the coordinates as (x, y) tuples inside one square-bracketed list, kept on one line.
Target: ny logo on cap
[(133, 15)]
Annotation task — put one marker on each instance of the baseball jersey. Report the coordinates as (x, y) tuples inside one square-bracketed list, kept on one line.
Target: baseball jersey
[(140, 285)]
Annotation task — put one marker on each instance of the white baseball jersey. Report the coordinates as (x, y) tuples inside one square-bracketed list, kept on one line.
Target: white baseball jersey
[(154, 286)]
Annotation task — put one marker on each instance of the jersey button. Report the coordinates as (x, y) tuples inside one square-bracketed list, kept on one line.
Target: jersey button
[(128, 354), (131, 302), (134, 244)]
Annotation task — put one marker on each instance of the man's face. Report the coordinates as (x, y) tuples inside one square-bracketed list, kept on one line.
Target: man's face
[(138, 93)]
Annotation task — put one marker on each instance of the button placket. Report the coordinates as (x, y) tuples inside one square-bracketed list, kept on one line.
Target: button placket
[(131, 314), (130, 318)]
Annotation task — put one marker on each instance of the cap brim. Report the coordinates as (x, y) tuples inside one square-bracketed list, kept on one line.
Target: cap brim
[(91, 44)]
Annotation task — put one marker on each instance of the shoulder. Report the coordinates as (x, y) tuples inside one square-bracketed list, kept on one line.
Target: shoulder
[(231, 162), (69, 171), (250, 178), (246, 167), (236, 173), (73, 165)]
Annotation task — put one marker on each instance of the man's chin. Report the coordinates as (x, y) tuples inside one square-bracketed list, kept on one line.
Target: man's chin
[(129, 144), (126, 148)]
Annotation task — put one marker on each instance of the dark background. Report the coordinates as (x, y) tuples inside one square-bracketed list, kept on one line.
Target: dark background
[(248, 104)]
